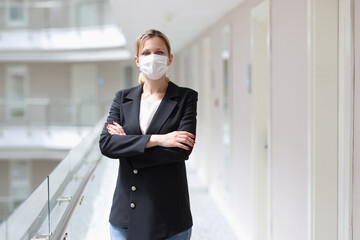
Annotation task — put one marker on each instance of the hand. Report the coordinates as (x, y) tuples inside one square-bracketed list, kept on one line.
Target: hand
[(115, 129), (180, 139)]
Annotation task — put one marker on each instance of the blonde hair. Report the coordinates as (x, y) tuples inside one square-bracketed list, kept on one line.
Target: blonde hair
[(147, 35)]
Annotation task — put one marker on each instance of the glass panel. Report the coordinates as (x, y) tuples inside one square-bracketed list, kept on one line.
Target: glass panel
[(69, 178), (24, 221), (3, 229), (82, 224), (36, 216), (226, 105), (58, 191)]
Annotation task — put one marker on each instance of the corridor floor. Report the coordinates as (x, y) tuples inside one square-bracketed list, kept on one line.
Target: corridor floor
[(209, 224)]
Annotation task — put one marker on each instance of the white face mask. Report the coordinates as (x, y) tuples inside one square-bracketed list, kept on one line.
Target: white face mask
[(153, 66)]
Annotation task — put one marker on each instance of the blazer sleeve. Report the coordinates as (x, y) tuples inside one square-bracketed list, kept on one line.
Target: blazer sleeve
[(118, 146), (160, 155)]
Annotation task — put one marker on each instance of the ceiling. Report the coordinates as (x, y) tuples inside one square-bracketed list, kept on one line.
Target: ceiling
[(180, 20)]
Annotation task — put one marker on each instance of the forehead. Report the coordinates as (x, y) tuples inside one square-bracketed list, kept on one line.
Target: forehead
[(153, 43)]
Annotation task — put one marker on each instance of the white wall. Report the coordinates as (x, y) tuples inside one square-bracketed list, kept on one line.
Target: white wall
[(289, 183), (209, 148), (289, 117), (356, 171)]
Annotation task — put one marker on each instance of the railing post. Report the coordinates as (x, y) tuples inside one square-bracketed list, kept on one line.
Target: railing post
[(47, 117), (49, 210)]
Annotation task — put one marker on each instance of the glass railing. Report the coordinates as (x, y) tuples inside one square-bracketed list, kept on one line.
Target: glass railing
[(45, 213), (44, 113), (56, 25), (38, 14)]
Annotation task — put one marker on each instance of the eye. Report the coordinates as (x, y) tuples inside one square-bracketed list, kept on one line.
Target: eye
[(145, 53), (159, 52)]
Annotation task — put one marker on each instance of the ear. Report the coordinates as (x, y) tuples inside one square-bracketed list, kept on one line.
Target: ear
[(170, 59), (137, 61)]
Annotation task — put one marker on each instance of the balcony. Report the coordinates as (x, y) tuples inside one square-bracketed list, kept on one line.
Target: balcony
[(59, 31)]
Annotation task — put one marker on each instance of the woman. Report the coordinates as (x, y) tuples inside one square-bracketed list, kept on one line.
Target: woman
[(151, 130)]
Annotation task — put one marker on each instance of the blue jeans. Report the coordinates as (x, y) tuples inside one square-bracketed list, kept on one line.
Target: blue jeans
[(120, 233)]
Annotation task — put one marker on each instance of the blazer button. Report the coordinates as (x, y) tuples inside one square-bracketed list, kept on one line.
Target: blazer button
[(133, 188), (136, 171), (132, 205)]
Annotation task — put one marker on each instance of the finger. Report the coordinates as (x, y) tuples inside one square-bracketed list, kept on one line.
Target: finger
[(116, 124), (108, 127), (121, 131), (179, 145), (187, 134), (119, 127), (116, 129), (113, 129), (190, 142), (187, 140), (112, 132)]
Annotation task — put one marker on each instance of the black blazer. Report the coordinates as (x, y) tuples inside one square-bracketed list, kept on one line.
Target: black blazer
[(151, 196)]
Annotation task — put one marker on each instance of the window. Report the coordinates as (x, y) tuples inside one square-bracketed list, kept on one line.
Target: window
[(16, 13), (226, 105), (129, 76), (16, 88)]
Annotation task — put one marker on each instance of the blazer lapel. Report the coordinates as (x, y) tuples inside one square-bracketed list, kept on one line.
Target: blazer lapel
[(131, 109), (167, 105)]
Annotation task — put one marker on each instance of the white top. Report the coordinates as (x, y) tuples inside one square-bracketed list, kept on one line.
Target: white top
[(147, 112)]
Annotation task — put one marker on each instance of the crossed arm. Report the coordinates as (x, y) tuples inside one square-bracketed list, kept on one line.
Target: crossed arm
[(179, 139), (150, 150)]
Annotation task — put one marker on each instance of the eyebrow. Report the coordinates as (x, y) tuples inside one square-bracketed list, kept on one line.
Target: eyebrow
[(146, 49)]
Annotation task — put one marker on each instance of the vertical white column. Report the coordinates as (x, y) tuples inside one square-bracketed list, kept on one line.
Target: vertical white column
[(260, 120), (323, 119), (346, 116), (356, 149)]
